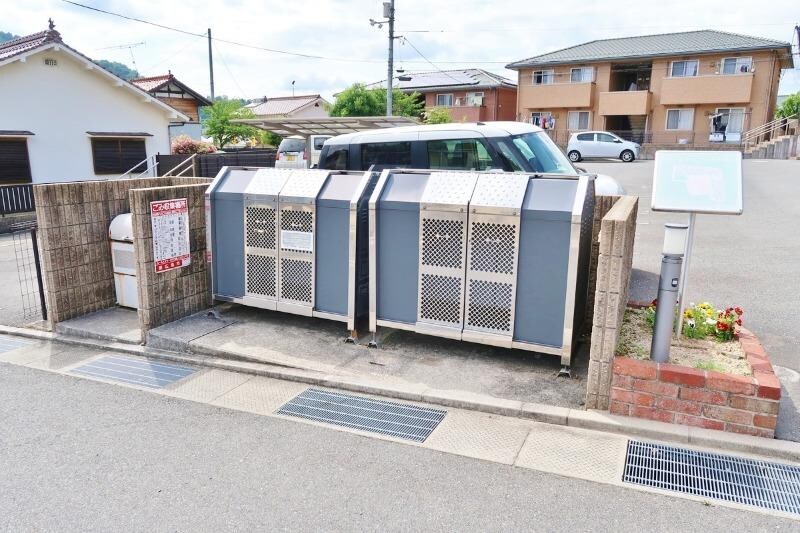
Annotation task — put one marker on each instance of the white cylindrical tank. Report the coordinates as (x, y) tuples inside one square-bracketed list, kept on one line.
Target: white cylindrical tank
[(123, 259)]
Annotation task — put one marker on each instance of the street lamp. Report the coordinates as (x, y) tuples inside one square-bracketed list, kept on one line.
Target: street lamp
[(668, 286)]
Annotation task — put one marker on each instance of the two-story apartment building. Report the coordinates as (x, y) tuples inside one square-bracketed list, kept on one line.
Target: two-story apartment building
[(694, 87), (471, 95)]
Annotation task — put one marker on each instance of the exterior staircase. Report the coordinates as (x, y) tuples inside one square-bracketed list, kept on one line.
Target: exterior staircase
[(778, 139)]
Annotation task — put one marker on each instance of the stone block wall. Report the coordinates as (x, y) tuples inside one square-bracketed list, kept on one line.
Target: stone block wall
[(73, 221), (614, 262), (602, 205), (168, 296)]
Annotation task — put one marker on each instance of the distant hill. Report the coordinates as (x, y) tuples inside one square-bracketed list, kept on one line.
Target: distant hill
[(120, 69)]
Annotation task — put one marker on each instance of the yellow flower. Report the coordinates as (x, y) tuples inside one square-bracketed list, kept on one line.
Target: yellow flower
[(688, 313)]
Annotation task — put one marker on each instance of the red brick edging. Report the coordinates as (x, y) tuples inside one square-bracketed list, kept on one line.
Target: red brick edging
[(702, 398)]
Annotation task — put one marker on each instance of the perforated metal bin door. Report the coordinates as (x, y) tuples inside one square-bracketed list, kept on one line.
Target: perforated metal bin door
[(493, 244), (442, 253)]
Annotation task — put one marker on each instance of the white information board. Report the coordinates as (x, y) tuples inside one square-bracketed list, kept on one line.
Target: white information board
[(695, 181), (301, 241), (170, 220)]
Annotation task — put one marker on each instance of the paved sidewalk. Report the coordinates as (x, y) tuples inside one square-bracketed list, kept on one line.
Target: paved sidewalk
[(566, 451)]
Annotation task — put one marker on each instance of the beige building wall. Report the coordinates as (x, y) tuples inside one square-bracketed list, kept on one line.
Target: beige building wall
[(705, 93)]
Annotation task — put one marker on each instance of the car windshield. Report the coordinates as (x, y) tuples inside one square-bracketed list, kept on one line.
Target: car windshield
[(534, 152), (292, 145)]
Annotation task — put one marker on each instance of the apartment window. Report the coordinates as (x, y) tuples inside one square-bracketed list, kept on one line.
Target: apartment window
[(542, 77), (117, 156), (15, 165), (538, 118), (728, 120), (578, 120), (680, 119), (581, 75), (475, 98), (460, 154), (737, 65), (394, 154), (682, 69), (444, 100)]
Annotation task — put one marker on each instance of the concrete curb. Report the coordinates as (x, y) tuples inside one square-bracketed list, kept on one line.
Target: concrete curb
[(592, 420)]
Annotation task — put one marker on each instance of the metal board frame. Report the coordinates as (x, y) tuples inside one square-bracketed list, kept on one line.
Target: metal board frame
[(373, 250), (352, 282), (444, 201)]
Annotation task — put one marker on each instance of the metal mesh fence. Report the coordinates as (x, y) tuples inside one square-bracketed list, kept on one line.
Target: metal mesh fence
[(31, 282)]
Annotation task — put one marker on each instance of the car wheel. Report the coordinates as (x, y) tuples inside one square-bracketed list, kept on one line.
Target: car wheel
[(626, 156), (574, 156)]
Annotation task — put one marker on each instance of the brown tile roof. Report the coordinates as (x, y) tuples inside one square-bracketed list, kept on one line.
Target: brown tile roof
[(281, 105), (152, 83), (21, 45)]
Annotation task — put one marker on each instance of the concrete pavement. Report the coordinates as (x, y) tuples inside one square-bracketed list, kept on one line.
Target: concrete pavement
[(115, 455)]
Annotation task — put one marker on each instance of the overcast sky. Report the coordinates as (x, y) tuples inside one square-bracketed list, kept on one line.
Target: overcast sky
[(458, 34)]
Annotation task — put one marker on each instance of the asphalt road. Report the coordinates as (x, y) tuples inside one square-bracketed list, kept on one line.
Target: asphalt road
[(751, 260), (79, 455)]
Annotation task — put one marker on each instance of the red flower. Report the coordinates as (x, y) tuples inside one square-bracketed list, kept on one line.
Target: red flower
[(739, 322), (722, 326), (654, 302), (739, 311)]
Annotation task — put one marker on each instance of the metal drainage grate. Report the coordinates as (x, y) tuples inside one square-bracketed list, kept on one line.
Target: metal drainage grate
[(357, 412), (134, 371), (723, 477), (8, 343)]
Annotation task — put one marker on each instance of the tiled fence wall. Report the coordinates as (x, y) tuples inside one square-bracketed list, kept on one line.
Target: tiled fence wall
[(602, 205), (168, 296), (617, 232)]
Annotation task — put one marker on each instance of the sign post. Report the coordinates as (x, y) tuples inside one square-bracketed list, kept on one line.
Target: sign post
[(696, 181), (171, 247)]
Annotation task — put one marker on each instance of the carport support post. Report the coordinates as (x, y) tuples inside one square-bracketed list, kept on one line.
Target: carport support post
[(687, 257)]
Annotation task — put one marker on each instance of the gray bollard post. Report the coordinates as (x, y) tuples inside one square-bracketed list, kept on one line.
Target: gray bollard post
[(665, 309)]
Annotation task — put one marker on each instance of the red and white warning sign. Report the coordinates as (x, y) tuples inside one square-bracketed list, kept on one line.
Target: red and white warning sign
[(170, 234)]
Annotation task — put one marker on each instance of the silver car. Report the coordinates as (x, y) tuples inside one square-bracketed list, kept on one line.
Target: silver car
[(600, 144)]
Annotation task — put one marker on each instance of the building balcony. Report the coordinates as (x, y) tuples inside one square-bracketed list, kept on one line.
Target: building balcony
[(624, 103), (466, 113), (712, 89), (556, 95)]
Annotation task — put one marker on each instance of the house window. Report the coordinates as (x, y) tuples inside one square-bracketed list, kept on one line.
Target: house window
[(444, 100), (680, 119), (460, 154), (117, 156), (728, 120), (682, 69), (582, 75), (538, 118), (578, 120), (475, 98), (542, 77), (394, 154), (737, 65), (15, 165)]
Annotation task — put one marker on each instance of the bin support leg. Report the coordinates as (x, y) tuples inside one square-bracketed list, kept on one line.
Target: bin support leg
[(565, 372), (351, 339), (374, 342)]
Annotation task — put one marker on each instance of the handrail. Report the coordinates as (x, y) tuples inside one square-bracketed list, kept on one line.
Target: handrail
[(768, 130), (147, 169), (173, 169)]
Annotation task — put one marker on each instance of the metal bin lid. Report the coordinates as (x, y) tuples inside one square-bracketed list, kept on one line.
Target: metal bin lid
[(121, 228), (550, 199)]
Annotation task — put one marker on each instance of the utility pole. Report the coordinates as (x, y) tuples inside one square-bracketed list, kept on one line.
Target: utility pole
[(388, 12), (797, 29), (210, 65)]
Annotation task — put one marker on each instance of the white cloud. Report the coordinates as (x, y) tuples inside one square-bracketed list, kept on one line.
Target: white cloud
[(475, 30)]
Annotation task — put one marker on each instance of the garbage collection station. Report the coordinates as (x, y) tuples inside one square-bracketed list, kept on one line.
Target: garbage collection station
[(493, 258)]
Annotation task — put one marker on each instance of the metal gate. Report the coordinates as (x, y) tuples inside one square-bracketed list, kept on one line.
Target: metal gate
[(29, 271)]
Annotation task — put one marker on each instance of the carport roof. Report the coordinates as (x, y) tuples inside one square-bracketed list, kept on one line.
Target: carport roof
[(324, 125)]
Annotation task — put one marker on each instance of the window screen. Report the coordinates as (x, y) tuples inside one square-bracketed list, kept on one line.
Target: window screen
[(15, 165), (395, 154), (459, 154), (117, 156)]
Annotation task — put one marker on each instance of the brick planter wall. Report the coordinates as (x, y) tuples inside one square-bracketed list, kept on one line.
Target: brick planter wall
[(692, 397)]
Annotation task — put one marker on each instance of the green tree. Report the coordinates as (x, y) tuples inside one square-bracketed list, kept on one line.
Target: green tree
[(789, 107), (120, 69), (219, 126), (438, 115), (5, 36), (358, 101), (267, 138)]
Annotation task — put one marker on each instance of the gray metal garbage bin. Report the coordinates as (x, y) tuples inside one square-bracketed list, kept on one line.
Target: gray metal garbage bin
[(286, 240), (492, 258)]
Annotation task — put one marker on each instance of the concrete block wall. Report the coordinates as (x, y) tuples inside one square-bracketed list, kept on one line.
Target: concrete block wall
[(615, 260), (168, 296), (73, 221), (602, 206)]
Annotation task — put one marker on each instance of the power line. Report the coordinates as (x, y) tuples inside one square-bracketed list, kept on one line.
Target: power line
[(405, 39), (225, 64)]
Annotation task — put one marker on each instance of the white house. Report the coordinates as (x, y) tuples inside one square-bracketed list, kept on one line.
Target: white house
[(65, 118)]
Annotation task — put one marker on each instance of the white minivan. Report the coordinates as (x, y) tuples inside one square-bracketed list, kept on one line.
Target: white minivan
[(591, 144), (300, 152)]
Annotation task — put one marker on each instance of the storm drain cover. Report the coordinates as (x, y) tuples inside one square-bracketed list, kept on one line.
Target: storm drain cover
[(134, 371), (404, 421), (8, 343), (723, 477)]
